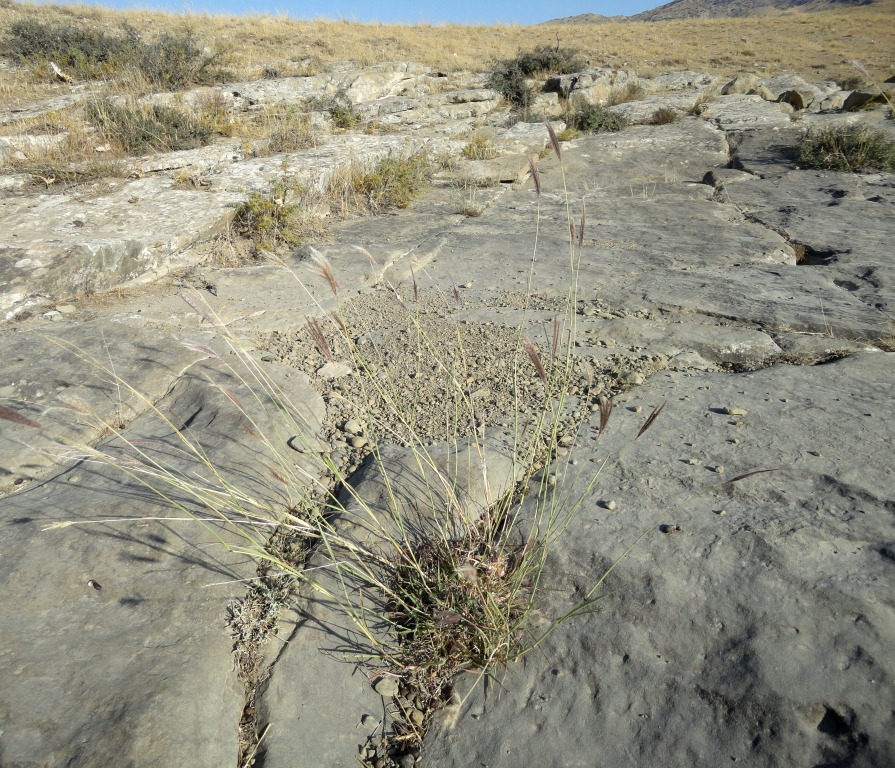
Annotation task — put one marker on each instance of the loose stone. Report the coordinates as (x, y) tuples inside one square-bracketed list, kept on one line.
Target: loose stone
[(353, 427), (386, 687)]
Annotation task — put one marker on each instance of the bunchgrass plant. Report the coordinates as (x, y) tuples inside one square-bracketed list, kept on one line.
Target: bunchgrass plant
[(854, 148)]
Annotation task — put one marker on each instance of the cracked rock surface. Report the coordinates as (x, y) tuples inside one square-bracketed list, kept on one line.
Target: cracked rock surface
[(753, 624)]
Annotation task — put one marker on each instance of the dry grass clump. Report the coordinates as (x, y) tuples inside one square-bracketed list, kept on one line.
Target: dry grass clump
[(630, 91), (286, 130), (664, 116), (60, 148), (854, 148), (393, 182), (479, 148), (140, 128)]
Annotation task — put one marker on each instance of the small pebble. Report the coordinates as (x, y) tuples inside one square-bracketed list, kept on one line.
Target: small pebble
[(368, 721), (609, 504), (719, 469), (815, 453), (637, 409), (693, 462), (468, 285), (670, 528), (731, 411), (359, 442), (417, 717), (721, 512), (352, 427), (387, 687)]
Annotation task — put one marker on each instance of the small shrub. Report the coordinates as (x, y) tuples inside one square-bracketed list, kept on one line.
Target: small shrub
[(392, 183), (290, 132), (269, 219), (854, 148), (142, 128), (630, 91), (664, 116), (509, 76), (594, 118), (344, 115), (172, 62), (479, 148)]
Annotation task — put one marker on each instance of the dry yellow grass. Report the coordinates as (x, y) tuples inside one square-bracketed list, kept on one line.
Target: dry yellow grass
[(815, 45)]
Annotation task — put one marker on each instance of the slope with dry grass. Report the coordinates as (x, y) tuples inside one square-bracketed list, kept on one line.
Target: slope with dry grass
[(819, 44)]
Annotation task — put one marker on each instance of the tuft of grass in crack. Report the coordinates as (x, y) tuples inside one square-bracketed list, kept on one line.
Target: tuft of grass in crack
[(630, 91), (854, 148), (479, 148), (139, 128)]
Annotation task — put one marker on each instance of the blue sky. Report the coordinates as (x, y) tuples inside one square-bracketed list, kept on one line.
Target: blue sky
[(458, 11)]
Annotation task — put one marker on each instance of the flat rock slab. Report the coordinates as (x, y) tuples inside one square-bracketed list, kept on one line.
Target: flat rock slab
[(742, 112), (126, 622), (63, 379), (754, 624), (60, 245)]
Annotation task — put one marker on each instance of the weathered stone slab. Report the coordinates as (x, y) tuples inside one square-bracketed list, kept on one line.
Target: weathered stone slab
[(642, 110), (755, 620), (125, 622), (51, 379), (747, 112), (60, 245), (680, 81)]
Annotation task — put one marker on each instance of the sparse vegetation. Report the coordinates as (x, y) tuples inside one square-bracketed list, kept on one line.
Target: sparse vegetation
[(798, 42), (479, 148), (170, 62), (270, 218), (594, 118), (81, 51), (854, 148), (664, 116), (289, 131), (340, 108), (392, 183), (509, 77), (137, 128)]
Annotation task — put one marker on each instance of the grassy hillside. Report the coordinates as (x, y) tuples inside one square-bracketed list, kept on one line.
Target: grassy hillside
[(817, 45)]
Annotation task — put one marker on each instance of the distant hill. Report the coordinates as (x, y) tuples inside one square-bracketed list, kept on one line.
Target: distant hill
[(588, 18), (707, 9)]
